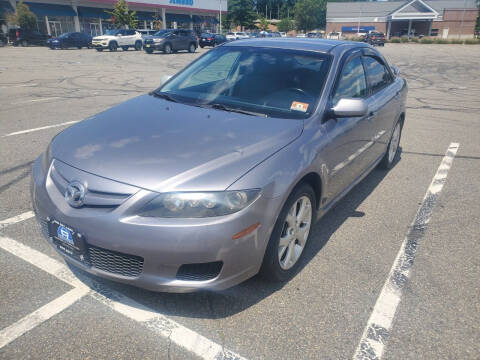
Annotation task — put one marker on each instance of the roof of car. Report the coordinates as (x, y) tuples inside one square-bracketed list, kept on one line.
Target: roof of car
[(309, 44)]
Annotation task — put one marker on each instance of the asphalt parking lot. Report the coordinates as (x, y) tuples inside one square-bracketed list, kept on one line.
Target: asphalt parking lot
[(49, 310)]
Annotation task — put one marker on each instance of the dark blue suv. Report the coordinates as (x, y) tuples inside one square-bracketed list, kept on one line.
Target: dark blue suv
[(69, 40)]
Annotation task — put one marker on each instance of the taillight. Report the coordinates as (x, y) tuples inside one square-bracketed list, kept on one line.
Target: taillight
[(374, 37), (210, 39), (17, 34)]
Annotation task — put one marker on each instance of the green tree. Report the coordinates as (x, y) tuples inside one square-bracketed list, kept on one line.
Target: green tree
[(241, 13), (310, 14), (122, 16), (285, 25), (263, 25), (23, 17)]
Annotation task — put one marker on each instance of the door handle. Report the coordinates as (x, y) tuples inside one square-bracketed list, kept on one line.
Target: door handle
[(371, 115)]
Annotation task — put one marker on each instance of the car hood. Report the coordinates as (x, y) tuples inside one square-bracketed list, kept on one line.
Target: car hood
[(163, 146), (104, 37)]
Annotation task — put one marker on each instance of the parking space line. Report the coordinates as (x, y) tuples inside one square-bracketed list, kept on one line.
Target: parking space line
[(41, 315), (156, 322), (39, 128), (15, 219), (379, 324)]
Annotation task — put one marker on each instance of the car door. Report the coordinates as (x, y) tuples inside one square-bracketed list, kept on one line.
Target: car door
[(381, 103), (349, 140), (131, 37), (75, 40)]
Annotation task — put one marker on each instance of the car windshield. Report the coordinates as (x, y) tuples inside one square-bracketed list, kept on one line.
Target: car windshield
[(206, 35), (162, 33), (112, 32), (266, 81), (64, 35), (230, 33)]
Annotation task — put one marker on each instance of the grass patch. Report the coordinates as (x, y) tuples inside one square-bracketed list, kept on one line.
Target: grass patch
[(404, 40), (395, 40), (426, 41)]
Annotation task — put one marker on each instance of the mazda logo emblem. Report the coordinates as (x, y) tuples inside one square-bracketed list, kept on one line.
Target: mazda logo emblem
[(75, 194)]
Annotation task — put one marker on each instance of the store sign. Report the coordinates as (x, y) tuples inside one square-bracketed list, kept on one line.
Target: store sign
[(182, 2)]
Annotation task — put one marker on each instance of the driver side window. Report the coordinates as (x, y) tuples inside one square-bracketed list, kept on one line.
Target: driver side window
[(352, 83)]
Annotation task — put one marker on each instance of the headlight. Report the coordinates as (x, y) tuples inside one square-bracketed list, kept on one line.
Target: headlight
[(155, 40), (199, 204), (46, 159)]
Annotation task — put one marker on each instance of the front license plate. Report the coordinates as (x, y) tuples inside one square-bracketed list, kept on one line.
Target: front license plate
[(68, 240), (147, 45)]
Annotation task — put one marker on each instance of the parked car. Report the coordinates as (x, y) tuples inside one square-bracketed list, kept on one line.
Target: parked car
[(25, 37), (230, 36), (170, 41), (275, 34), (115, 38), (3, 39), (375, 38), (334, 35), (220, 173), (209, 39), (69, 40), (301, 35), (315, 35), (145, 33), (283, 34)]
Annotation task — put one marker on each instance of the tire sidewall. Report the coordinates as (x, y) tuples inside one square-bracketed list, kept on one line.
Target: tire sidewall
[(271, 266), (113, 46), (138, 45), (169, 47), (386, 163)]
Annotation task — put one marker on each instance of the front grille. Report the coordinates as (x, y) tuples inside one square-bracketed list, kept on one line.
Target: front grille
[(199, 272), (115, 262)]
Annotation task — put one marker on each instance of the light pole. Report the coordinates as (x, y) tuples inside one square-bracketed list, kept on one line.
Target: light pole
[(220, 16)]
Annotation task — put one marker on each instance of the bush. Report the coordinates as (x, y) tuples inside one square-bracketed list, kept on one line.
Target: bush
[(426, 41), (404, 39), (441, 41), (356, 38), (415, 40), (472, 41), (456, 41), (395, 40)]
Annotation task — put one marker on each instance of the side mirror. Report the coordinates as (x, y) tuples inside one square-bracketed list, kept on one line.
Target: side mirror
[(350, 108), (164, 79), (395, 70)]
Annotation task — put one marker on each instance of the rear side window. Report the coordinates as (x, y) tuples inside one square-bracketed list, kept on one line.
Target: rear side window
[(352, 83), (377, 74), (130, 32)]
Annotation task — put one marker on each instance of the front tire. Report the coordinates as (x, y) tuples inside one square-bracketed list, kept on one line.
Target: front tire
[(393, 147), (149, 51), (125, 48), (290, 235), (167, 49), (99, 49), (138, 45), (24, 43), (79, 47), (113, 46), (192, 48)]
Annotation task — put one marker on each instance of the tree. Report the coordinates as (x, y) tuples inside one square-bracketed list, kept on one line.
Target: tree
[(241, 13), (263, 25), (285, 25), (23, 17), (121, 16), (310, 14)]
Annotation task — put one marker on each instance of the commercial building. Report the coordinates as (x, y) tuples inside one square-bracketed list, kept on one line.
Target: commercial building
[(442, 18), (90, 16)]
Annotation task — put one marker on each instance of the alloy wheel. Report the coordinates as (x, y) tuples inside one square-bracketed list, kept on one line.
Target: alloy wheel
[(393, 148), (295, 232)]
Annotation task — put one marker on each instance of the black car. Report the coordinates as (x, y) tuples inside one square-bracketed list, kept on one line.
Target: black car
[(70, 39), (26, 37), (170, 41), (375, 38), (208, 39), (3, 39)]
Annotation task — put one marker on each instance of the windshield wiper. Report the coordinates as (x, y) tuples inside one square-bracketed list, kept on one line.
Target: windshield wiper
[(230, 109), (163, 95)]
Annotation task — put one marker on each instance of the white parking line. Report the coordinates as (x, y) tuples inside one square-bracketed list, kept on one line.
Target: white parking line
[(13, 220), (379, 324), (35, 100), (39, 128), (158, 323), (41, 315)]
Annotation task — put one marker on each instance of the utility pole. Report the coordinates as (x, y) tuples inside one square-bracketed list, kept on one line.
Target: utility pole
[(463, 17), (220, 16)]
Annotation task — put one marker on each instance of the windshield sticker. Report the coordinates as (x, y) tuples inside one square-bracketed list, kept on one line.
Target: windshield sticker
[(299, 106)]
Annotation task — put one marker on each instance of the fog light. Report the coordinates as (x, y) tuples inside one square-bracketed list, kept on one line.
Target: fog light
[(246, 231)]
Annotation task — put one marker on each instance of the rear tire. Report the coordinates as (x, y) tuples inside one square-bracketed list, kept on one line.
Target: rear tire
[(149, 51), (79, 47), (192, 48), (138, 45), (125, 48), (290, 235), (113, 46), (24, 43), (392, 153), (99, 49)]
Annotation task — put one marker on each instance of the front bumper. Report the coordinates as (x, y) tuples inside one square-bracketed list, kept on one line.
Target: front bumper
[(100, 44), (153, 46), (163, 244)]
